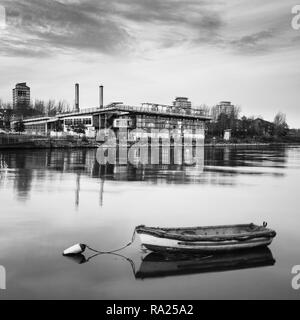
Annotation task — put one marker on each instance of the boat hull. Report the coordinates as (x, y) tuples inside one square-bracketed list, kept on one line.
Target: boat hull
[(158, 244)]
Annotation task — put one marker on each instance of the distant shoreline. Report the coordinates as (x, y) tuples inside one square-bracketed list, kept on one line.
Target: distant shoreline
[(23, 141), (77, 144), (235, 144)]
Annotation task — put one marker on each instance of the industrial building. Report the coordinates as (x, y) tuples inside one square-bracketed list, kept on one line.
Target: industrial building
[(119, 117), (182, 103)]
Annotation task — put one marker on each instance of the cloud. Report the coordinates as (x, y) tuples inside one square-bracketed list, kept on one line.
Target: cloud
[(254, 43), (171, 23), (189, 13), (117, 27), (258, 28), (43, 27)]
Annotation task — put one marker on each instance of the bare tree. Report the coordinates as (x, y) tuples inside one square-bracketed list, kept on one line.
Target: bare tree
[(8, 106), (205, 108), (39, 106), (5, 105), (62, 106), (280, 119), (280, 125), (237, 110), (50, 108)]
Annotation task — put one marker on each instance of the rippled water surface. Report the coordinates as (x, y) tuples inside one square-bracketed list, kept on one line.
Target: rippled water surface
[(50, 200)]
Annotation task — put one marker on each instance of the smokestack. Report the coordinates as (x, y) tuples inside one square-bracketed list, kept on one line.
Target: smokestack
[(77, 97), (101, 97)]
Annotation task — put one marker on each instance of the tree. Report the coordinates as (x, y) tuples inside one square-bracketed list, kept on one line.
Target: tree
[(39, 106), (62, 106), (27, 110), (7, 117), (280, 126), (224, 121), (50, 108), (236, 111), (19, 126), (204, 108)]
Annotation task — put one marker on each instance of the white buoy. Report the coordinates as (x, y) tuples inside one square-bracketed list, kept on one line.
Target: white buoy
[(76, 249)]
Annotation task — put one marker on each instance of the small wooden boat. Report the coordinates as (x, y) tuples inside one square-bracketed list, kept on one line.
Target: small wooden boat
[(206, 239), (165, 264)]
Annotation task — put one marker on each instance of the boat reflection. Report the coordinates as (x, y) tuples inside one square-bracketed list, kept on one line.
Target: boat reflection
[(156, 265), (164, 264)]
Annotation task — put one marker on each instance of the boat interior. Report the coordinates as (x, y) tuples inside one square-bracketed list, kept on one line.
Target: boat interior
[(213, 231)]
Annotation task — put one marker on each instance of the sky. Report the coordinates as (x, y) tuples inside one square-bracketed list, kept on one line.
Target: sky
[(244, 51)]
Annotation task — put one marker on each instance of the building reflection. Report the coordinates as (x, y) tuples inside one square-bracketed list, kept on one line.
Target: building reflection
[(213, 166), (77, 191)]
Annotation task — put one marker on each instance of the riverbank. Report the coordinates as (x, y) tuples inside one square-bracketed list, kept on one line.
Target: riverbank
[(236, 144), (29, 142), (40, 142), (62, 144)]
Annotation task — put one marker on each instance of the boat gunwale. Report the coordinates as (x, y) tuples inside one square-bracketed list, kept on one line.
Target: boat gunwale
[(166, 233)]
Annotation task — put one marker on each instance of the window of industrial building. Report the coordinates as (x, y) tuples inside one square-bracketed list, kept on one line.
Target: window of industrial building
[(68, 122), (77, 121), (87, 121)]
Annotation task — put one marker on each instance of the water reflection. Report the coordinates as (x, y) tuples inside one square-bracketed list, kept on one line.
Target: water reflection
[(235, 185), (265, 156), (157, 265), (163, 264), (78, 258), (215, 166)]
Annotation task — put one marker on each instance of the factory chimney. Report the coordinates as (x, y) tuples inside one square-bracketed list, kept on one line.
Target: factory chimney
[(101, 97), (77, 97)]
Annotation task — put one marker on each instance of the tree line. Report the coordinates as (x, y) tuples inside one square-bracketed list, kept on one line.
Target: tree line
[(50, 108), (247, 128), (39, 107)]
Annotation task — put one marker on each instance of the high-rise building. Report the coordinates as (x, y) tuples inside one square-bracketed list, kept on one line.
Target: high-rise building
[(224, 107), (21, 95), (182, 103)]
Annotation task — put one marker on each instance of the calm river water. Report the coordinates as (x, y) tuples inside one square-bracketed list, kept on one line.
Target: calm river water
[(50, 200)]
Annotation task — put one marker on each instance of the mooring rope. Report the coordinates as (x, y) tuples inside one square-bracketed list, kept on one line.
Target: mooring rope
[(117, 250), (115, 254)]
